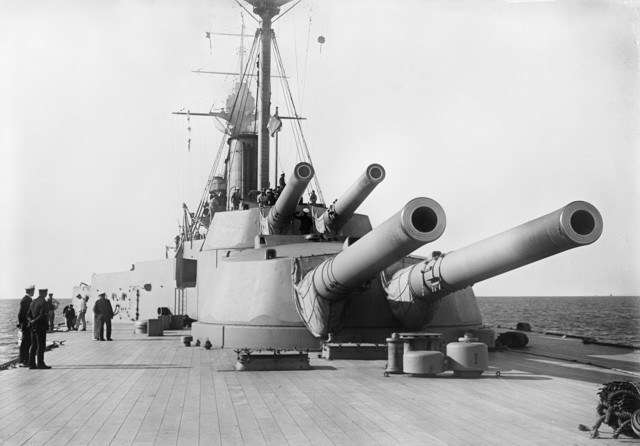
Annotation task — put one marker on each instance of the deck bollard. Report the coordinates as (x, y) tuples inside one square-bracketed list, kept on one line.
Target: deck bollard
[(395, 350)]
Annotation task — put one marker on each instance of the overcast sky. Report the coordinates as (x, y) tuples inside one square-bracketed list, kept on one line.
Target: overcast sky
[(501, 111)]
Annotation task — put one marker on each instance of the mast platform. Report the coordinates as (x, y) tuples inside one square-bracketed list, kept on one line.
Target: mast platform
[(153, 390)]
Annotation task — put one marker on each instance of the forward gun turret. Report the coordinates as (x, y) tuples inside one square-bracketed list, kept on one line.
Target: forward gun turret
[(414, 290)]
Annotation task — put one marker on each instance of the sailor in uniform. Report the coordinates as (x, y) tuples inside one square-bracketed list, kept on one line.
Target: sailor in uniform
[(97, 318), (103, 313), (38, 312), (23, 325)]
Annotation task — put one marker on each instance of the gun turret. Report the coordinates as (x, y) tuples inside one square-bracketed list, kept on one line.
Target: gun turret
[(285, 206), (344, 208), (423, 284), (420, 221)]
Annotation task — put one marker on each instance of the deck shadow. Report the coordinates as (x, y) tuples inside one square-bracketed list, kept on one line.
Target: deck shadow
[(313, 368), (149, 338), (120, 366), (488, 375), (492, 376)]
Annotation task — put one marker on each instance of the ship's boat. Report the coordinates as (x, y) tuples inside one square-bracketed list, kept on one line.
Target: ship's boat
[(286, 273)]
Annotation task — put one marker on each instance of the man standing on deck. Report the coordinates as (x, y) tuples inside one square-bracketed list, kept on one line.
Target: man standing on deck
[(306, 222), (97, 318), (103, 312), (69, 314), (23, 325), (38, 319), (82, 312), (51, 311)]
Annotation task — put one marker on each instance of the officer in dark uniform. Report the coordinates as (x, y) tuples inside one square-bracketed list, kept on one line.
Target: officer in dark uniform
[(107, 315), (23, 325), (38, 319), (306, 222), (97, 318), (103, 312)]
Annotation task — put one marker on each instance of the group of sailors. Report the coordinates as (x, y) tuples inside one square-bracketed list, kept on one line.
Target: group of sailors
[(33, 321), (36, 317), (265, 197)]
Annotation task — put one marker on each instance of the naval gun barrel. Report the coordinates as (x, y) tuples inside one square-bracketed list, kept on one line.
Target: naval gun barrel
[(285, 206), (344, 208), (576, 224), (420, 221)]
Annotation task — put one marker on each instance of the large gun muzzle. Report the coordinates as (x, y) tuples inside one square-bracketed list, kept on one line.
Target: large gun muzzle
[(420, 221), (285, 206), (344, 208), (576, 224), (320, 294)]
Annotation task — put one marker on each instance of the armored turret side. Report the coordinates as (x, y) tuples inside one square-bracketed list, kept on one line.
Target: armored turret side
[(233, 230), (245, 300)]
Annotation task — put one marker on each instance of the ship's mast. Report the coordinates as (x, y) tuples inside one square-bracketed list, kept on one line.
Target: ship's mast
[(267, 10), (266, 13), (241, 49)]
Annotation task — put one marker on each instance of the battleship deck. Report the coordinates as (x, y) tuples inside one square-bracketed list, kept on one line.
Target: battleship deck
[(143, 390)]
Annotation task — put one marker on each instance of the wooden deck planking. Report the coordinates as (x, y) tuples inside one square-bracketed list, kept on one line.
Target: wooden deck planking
[(345, 407), (247, 421), (390, 401), (331, 404), (161, 419), (208, 421), (376, 418), (63, 425), (227, 417), (292, 433), (120, 414), (463, 415), (133, 423), (12, 400), (271, 432), (99, 412), (39, 409), (285, 393), (141, 390), (188, 426), (170, 423)]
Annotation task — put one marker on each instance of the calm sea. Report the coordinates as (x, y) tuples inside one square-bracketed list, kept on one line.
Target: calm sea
[(609, 319), (606, 318)]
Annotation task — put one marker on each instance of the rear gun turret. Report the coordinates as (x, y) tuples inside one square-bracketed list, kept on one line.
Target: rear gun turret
[(344, 208), (413, 290), (285, 206)]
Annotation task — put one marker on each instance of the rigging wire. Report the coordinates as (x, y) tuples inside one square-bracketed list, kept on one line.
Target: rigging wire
[(289, 96), (295, 52), (247, 11), (284, 13), (290, 111), (214, 168), (306, 60)]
